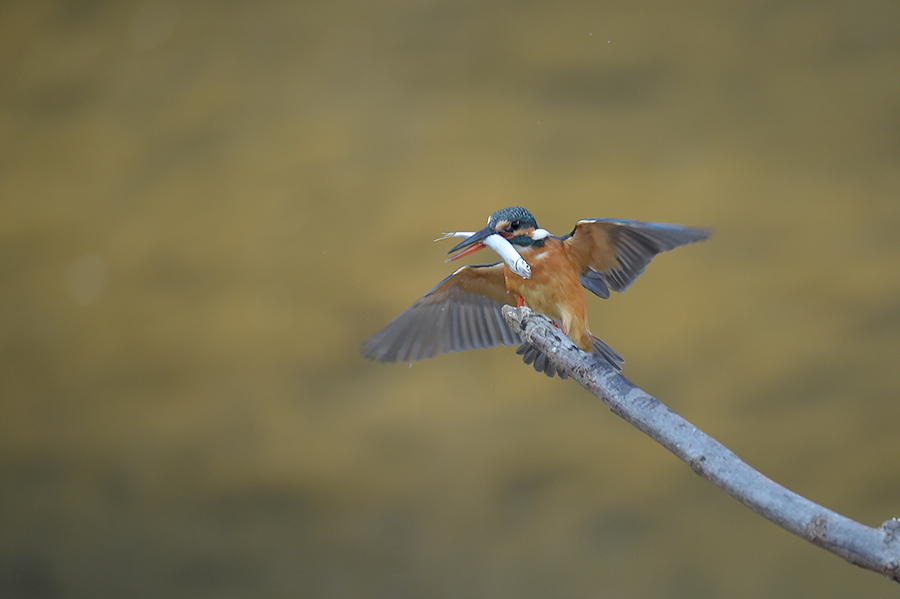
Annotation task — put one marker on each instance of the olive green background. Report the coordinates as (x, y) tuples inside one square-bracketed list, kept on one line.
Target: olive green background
[(206, 206)]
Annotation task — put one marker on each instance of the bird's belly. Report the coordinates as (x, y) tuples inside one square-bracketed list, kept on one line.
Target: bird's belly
[(555, 292)]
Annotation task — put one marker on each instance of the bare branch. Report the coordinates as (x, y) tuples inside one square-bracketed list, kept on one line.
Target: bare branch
[(876, 549)]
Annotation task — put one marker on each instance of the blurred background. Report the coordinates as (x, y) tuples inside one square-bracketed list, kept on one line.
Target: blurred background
[(205, 207)]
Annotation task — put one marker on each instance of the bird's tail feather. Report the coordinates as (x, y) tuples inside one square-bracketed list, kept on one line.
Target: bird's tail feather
[(532, 355)]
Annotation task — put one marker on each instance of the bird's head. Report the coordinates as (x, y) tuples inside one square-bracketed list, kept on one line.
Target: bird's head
[(515, 224)]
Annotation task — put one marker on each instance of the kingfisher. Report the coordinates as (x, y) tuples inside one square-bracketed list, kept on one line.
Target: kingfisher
[(536, 269)]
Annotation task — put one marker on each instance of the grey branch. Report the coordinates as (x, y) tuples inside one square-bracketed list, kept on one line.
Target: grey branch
[(876, 549)]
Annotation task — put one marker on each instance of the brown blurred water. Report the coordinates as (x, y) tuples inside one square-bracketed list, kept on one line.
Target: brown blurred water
[(205, 207)]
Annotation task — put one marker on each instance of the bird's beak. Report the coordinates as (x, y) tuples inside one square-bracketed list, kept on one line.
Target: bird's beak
[(497, 242), (471, 244)]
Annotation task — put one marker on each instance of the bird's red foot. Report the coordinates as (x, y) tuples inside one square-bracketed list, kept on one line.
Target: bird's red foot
[(520, 301)]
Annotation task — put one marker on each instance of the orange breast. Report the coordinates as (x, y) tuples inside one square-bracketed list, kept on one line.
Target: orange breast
[(554, 289)]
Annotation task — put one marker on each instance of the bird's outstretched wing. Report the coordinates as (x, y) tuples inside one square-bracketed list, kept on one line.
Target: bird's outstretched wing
[(613, 253), (462, 312)]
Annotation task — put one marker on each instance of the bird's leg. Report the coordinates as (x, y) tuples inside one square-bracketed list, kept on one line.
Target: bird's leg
[(520, 301)]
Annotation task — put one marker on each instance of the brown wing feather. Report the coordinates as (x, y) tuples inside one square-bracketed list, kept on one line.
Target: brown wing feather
[(613, 253), (462, 312)]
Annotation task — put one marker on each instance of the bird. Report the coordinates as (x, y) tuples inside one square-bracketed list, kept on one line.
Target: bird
[(537, 269)]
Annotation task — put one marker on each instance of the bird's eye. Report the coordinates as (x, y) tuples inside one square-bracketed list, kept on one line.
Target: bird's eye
[(514, 225)]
